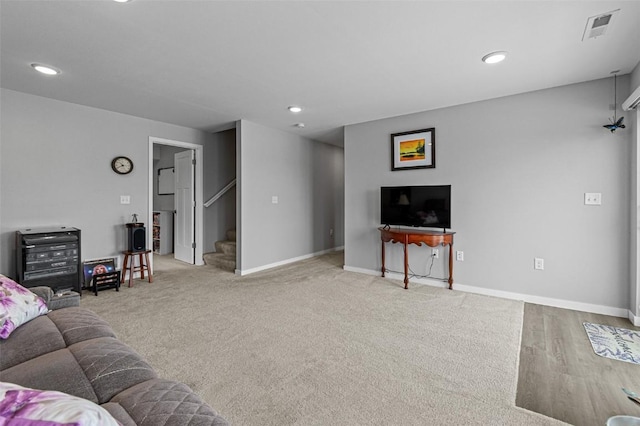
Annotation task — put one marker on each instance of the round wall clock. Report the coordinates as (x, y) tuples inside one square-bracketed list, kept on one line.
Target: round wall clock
[(122, 165)]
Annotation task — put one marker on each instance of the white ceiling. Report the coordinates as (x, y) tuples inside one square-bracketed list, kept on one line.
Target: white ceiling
[(205, 64)]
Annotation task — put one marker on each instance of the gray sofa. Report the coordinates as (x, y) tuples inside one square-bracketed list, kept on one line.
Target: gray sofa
[(72, 350)]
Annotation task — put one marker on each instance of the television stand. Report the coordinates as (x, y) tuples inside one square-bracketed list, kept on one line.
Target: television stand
[(417, 237)]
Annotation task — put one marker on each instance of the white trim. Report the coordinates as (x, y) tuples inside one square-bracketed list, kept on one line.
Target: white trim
[(558, 303), (634, 319), (362, 271), (287, 261), (199, 232)]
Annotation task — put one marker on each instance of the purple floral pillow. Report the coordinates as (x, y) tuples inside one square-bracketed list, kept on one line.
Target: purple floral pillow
[(23, 406), (17, 306)]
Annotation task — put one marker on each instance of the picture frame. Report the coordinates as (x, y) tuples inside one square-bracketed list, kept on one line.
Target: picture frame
[(97, 266), (415, 149)]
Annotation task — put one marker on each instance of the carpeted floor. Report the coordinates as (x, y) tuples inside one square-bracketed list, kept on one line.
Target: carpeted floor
[(312, 344)]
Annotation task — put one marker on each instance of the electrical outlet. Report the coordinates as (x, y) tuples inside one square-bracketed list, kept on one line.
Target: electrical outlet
[(459, 256), (435, 253), (538, 263), (331, 232), (125, 199), (593, 198), (274, 199)]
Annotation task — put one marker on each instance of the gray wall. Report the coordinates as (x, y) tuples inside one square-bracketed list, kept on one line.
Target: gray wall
[(306, 176), (55, 170), (219, 170), (634, 248), (519, 167), (635, 78)]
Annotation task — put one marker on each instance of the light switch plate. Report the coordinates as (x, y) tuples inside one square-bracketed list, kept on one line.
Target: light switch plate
[(125, 199)]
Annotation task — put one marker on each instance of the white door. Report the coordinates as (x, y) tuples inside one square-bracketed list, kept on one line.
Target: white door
[(185, 206)]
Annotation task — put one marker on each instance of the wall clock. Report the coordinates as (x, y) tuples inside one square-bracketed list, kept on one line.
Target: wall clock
[(122, 165)]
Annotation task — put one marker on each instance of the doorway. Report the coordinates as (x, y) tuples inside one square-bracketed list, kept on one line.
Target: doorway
[(162, 201)]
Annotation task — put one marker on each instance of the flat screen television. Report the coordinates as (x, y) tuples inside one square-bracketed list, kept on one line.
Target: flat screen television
[(427, 206)]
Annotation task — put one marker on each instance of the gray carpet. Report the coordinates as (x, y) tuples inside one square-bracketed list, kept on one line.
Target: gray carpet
[(312, 344)]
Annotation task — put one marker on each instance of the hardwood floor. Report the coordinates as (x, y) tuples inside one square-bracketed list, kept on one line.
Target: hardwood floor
[(560, 375)]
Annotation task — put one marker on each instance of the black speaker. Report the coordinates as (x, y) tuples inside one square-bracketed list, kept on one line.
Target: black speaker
[(136, 237)]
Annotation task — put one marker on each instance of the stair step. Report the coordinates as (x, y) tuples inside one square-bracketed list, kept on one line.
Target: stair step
[(227, 247), (231, 235), (221, 260)]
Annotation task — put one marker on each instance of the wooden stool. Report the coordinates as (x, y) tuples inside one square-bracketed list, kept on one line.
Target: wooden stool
[(144, 266)]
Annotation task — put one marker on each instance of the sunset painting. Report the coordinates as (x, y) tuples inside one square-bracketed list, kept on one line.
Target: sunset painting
[(412, 150)]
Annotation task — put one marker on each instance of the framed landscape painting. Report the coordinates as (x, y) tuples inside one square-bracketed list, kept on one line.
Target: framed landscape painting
[(413, 150)]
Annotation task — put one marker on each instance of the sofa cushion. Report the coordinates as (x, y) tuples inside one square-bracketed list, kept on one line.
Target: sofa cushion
[(38, 337), (110, 366), (78, 324), (119, 413), (162, 402), (24, 406), (56, 370), (18, 305), (51, 332)]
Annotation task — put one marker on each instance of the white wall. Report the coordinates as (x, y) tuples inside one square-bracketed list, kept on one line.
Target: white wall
[(519, 167), (307, 178), (55, 170)]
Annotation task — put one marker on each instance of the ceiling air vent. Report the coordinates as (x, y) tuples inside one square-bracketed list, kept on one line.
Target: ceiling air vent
[(599, 25)]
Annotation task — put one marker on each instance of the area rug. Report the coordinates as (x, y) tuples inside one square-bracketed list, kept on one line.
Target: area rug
[(613, 342)]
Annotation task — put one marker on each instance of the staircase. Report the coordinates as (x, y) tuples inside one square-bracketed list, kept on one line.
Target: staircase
[(225, 255)]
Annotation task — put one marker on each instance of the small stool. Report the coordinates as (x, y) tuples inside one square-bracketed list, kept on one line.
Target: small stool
[(144, 266)]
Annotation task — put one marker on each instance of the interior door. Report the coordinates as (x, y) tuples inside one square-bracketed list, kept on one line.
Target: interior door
[(184, 206)]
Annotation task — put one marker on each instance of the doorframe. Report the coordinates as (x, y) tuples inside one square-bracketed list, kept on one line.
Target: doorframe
[(199, 196)]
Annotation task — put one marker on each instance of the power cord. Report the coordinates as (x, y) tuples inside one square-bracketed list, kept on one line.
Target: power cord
[(412, 274)]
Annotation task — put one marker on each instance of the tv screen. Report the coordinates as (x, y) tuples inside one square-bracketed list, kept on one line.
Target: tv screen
[(423, 206)]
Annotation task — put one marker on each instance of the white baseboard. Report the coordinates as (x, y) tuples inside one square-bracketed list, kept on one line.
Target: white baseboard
[(243, 272), (548, 301)]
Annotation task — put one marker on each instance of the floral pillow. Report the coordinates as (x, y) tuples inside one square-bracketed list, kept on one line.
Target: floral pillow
[(24, 406), (17, 306)]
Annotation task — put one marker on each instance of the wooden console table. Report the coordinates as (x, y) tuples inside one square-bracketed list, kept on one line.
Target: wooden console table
[(417, 237)]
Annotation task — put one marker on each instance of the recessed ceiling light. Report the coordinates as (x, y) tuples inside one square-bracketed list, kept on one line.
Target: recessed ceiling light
[(294, 108), (122, 1), (46, 69), (494, 57)]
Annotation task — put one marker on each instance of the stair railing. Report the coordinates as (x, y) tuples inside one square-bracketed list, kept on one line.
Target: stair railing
[(220, 193)]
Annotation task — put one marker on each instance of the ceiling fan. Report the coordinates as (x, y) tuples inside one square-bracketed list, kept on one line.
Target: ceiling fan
[(615, 123)]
